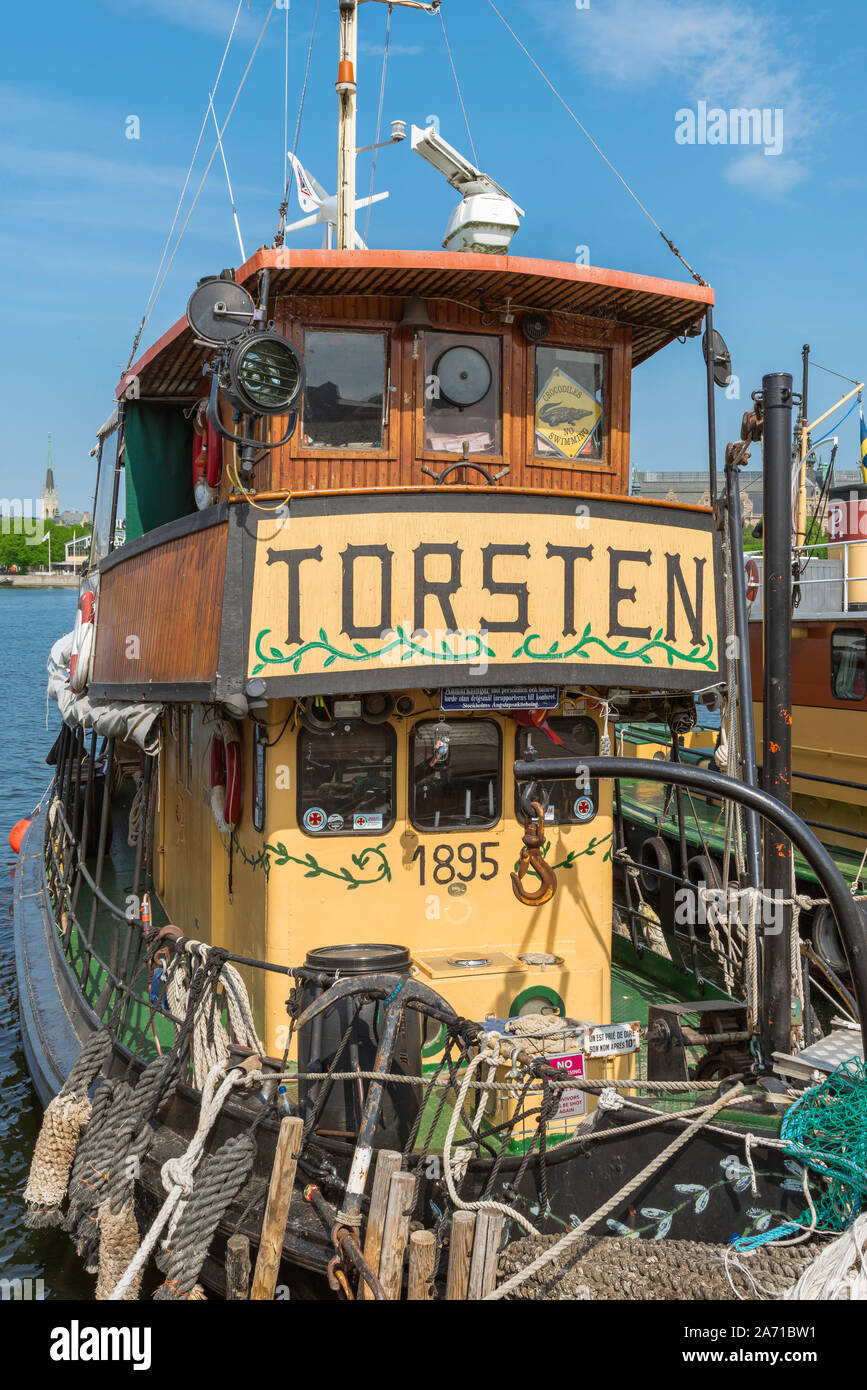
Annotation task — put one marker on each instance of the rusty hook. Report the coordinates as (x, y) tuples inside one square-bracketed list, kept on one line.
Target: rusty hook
[(531, 857)]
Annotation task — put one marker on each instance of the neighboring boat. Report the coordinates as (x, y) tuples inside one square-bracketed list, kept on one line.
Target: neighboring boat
[(378, 571)]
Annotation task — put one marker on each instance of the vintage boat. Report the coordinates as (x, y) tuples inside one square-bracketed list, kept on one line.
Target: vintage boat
[(306, 873)]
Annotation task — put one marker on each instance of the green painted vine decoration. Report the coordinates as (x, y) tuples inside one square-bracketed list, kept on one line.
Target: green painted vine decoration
[(696, 657), (359, 652), (374, 855)]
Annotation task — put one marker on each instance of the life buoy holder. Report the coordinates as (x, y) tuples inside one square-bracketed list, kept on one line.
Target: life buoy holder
[(83, 639), (751, 570), (227, 779)]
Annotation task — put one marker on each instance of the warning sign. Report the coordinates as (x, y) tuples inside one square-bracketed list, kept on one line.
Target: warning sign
[(573, 1103), (566, 415), (613, 1039)]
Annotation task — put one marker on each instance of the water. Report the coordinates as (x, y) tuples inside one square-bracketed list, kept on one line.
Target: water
[(29, 622)]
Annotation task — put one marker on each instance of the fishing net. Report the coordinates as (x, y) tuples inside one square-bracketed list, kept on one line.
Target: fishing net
[(826, 1131)]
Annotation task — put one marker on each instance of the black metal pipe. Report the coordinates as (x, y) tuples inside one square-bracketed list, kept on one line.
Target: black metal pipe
[(744, 672), (777, 695), (711, 410), (852, 931)]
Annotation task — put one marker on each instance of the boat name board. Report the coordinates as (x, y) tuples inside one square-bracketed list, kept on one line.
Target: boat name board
[(494, 596)]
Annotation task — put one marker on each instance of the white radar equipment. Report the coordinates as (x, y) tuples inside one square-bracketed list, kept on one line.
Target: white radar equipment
[(487, 218)]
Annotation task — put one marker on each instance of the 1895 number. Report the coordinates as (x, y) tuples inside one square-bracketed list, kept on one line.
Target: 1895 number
[(446, 862)]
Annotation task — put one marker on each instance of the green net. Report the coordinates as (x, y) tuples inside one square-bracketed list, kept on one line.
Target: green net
[(826, 1131)]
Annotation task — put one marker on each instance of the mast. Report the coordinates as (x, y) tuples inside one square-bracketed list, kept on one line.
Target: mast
[(801, 526), (347, 121)]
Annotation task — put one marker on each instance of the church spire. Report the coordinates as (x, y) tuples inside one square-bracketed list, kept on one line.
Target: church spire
[(49, 492)]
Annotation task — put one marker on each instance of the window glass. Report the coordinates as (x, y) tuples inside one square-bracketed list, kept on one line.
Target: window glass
[(849, 665), (101, 540), (570, 401), (346, 779), (463, 375), (344, 399), (456, 780), (565, 802)]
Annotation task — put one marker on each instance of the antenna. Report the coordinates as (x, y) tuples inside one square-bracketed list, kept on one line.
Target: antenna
[(487, 218)]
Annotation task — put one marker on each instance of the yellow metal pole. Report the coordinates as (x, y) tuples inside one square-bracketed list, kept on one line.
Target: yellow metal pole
[(806, 430)]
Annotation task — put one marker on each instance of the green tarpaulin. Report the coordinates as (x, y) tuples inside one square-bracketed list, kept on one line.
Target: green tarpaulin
[(159, 477)]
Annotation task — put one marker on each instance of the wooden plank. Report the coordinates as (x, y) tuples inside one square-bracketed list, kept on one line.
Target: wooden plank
[(237, 1267), (460, 1249), (170, 599), (277, 1208), (395, 1236), (422, 1258), (387, 1163), (486, 1250)]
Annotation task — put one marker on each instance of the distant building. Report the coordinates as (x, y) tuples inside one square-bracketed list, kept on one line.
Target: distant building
[(691, 486), (73, 518), (49, 492)]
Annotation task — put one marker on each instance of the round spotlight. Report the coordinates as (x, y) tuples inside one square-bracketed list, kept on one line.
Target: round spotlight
[(265, 375)]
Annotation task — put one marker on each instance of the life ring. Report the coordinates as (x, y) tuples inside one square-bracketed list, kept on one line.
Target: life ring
[(207, 458), (227, 779), (83, 639), (751, 570)]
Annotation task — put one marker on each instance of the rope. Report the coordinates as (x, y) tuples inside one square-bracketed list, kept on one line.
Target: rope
[(227, 1171), (564, 1243), (284, 206), (221, 133), (457, 85), (65, 1117), (136, 811), (839, 1272), (375, 157), (634, 196), (148, 305)]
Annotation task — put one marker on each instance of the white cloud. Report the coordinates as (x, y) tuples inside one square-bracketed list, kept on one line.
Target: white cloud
[(728, 53), (209, 16)]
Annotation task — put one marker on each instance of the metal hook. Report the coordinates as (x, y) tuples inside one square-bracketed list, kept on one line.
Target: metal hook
[(531, 857)]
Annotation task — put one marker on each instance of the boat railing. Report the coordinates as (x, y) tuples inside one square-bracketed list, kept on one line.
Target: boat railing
[(832, 576)]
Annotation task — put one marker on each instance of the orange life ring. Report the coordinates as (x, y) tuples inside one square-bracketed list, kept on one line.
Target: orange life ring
[(751, 570), (227, 779), (83, 637)]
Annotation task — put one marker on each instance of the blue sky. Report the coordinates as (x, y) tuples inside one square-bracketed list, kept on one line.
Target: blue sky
[(84, 211)]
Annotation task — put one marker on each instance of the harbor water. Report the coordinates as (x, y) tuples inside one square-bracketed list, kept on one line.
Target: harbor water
[(30, 621)]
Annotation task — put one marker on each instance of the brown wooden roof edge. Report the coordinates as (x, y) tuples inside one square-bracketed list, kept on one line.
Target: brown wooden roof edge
[(286, 259)]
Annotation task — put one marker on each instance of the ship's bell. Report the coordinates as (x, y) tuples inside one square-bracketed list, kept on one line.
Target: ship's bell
[(415, 316)]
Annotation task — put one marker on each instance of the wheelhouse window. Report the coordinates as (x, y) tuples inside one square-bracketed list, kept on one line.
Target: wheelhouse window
[(346, 397), (346, 779), (570, 405), (566, 803), (456, 777), (463, 393), (849, 664)]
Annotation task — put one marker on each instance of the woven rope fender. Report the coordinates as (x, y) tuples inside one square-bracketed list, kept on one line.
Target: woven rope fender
[(118, 1242), (621, 1269), (65, 1117)]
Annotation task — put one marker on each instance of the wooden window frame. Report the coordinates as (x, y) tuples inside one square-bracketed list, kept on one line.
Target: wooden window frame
[(578, 340), (462, 331), (390, 445)]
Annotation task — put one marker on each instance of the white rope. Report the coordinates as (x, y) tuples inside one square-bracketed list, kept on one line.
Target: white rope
[(488, 1055), (839, 1272)]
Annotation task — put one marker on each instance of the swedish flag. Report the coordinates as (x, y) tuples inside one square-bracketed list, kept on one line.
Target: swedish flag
[(863, 444)]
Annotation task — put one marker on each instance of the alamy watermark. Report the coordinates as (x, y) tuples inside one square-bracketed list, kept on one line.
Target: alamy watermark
[(699, 905), (739, 125)]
